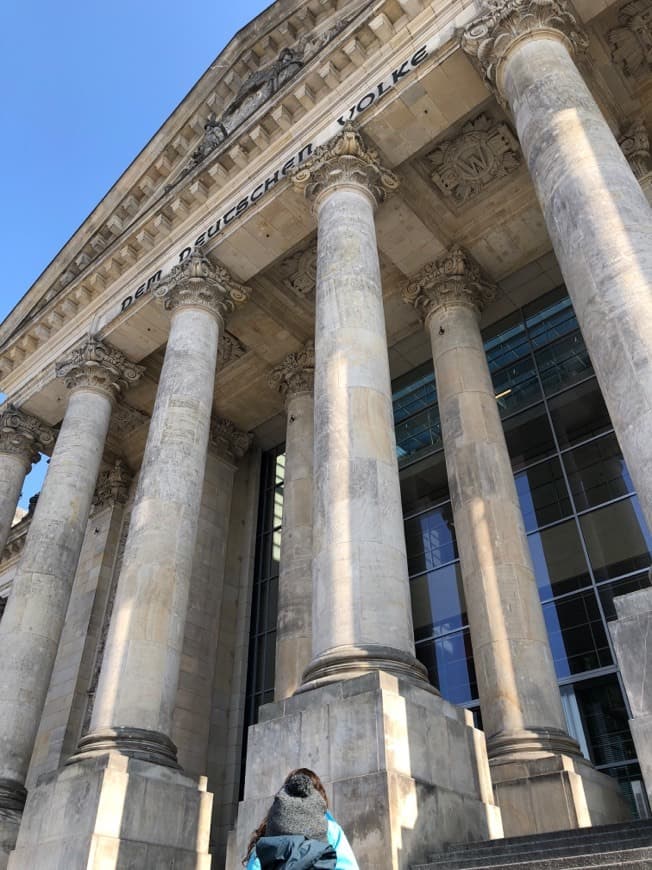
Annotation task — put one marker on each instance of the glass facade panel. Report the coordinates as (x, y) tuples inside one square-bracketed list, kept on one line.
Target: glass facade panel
[(542, 494), (609, 591), (617, 539), (438, 605), (579, 413), (597, 472), (430, 539), (558, 559), (449, 661), (424, 484), (577, 634), (529, 436)]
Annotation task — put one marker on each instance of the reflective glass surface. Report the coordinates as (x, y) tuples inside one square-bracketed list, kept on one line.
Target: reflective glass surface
[(558, 558), (617, 539), (542, 494), (449, 661), (438, 605), (430, 539), (577, 634), (597, 472)]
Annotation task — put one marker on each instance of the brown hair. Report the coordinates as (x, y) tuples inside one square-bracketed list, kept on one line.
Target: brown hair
[(260, 830)]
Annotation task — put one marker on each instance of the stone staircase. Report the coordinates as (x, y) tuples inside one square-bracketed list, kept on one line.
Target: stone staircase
[(627, 845)]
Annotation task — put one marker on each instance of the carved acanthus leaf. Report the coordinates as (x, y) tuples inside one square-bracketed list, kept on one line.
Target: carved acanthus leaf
[(489, 39), (484, 151), (23, 435), (296, 374), (631, 42), (635, 144), (99, 366), (229, 441), (454, 278), (197, 282), (344, 160), (260, 87)]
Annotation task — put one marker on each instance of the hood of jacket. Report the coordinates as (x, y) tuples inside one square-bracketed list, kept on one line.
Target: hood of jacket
[(292, 852)]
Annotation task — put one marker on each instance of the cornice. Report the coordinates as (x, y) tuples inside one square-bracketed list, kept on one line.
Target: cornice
[(365, 41)]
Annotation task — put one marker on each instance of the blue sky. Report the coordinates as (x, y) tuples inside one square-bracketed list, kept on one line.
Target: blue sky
[(85, 86)]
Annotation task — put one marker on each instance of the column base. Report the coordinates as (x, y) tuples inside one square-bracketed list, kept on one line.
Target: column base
[(115, 811), (555, 792), (348, 662), (405, 771), (531, 743), (140, 743), (9, 825)]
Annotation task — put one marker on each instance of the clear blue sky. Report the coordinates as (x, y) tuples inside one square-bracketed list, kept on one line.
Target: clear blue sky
[(84, 88)]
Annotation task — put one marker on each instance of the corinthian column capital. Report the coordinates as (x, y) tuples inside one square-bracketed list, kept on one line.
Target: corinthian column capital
[(97, 365), (112, 486), (229, 441), (23, 435), (453, 279), (296, 374), (344, 161), (491, 37), (198, 283)]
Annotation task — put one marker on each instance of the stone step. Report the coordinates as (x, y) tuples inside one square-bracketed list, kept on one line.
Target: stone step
[(534, 857), (599, 843), (615, 831), (633, 859)]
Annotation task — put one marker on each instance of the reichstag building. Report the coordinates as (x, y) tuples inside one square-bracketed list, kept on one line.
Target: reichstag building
[(345, 389)]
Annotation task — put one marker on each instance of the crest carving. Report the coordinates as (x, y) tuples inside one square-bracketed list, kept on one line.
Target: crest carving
[(631, 42), (485, 150), (299, 271), (635, 145)]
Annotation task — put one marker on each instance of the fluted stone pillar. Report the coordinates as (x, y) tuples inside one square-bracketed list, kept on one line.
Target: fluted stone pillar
[(362, 617), (596, 212), (138, 680), (294, 378), (541, 780), (22, 437), (32, 623)]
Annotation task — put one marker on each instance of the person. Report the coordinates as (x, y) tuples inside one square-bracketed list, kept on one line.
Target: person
[(300, 828)]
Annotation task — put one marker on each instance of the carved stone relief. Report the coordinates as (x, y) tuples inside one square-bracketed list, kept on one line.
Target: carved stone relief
[(299, 271), (631, 42), (230, 349), (635, 144), (485, 150)]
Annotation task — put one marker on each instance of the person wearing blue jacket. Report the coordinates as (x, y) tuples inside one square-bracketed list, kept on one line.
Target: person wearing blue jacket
[(299, 831)]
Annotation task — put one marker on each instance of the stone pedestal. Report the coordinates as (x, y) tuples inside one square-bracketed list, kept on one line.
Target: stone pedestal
[(115, 812), (630, 634), (405, 771)]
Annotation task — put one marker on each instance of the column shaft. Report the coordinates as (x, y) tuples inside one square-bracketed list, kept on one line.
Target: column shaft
[(361, 599), (12, 476), (293, 629), (516, 677), (600, 224), (32, 623), (138, 681)]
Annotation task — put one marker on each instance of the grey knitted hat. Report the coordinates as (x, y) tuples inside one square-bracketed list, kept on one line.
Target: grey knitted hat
[(298, 808)]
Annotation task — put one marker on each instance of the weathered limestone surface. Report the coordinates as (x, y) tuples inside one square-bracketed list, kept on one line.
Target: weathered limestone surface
[(67, 699), (632, 637), (596, 212), (32, 623), (358, 540), (295, 379), (115, 812), (517, 685), (405, 771), (22, 437)]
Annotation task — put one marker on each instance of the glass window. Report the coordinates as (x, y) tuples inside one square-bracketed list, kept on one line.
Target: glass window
[(549, 317), (424, 484), (597, 472), (604, 719), (414, 391), (579, 413), (559, 563), (430, 539), (542, 494), (631, 782), (609, 591), (516, 386), (418, 435), (617, 539), (563, 363), (578, 638), (438, 605), (449, 661), (528, 436)]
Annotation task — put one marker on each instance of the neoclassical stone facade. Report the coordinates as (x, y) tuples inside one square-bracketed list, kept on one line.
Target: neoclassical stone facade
[(347, 399)]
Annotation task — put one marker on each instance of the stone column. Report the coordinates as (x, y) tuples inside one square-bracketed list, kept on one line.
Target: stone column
[(540, 779), (596, 212), (294, 378), (32, 624), (361, 600), (519, 697), (140, 670), (22, 437)]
